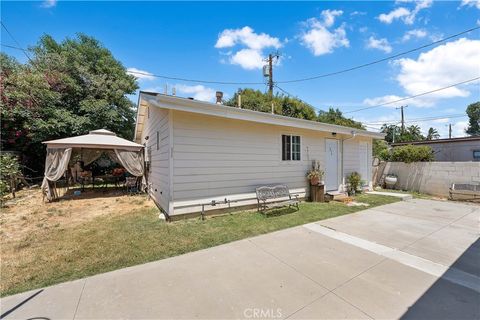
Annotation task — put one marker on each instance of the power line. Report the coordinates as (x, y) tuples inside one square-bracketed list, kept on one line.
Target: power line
[(15, 40), (414, 96), (381, 60), (11, 47), (413, 120), (296, 97), (287, 81)]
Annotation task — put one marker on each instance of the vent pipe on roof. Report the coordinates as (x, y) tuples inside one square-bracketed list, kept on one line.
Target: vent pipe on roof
[(219, 95)]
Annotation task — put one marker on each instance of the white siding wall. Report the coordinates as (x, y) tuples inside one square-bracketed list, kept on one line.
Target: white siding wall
[(351, 158), (157, 120), (216, 158)]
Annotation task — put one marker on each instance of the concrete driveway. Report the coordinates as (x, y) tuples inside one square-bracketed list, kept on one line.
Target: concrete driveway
[(416, 259)]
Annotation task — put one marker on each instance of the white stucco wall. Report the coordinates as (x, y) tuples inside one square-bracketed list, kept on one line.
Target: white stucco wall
[(433, 178)]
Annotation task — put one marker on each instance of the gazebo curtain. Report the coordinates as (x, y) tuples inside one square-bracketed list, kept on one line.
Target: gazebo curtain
[(56, 163), (132, 161), (57, 160)]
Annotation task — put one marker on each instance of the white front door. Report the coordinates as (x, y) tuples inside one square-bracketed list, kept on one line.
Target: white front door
[(363, 154), (331, 164)]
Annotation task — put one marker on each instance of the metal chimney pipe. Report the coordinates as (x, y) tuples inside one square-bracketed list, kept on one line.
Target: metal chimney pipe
[(219, 95), (240, 101)]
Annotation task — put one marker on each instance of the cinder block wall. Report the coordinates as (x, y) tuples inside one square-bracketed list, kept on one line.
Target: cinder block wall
[(433, 178)]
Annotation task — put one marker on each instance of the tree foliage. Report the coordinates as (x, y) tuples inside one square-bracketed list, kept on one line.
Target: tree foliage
[(394, 133), (290, 107), (432, 134), (9, 169), (380, 148), (259, 101), (473, 112), (408, 154), (67, 89), (335, 116)]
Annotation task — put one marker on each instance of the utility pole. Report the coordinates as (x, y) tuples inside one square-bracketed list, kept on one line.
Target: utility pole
[(268, 72), (270, 75), (403, 118)]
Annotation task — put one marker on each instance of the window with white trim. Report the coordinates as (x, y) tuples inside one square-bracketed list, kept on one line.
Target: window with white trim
[(291, 149)]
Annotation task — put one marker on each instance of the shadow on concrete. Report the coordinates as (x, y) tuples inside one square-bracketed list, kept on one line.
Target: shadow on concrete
[(448, 300), (6, 313)]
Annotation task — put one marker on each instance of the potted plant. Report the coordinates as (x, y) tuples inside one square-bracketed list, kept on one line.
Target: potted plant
[(353, 179), (315, 176), (391, 180)]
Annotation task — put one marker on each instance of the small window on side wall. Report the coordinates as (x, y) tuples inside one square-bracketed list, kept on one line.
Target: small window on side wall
[(476, 155), (291, 148)]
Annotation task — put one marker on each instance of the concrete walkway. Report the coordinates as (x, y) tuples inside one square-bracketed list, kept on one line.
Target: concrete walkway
[(411, 259)]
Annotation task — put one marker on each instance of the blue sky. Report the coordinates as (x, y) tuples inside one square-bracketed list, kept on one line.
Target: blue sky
[(225, 41)]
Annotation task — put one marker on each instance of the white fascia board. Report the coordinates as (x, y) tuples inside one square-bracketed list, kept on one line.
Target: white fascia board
[(216, 110)]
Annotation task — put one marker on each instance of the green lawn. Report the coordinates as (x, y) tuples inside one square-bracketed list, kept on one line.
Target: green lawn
[(109, 243)]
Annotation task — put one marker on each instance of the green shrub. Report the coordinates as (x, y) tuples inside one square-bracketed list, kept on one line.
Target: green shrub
[(410, 153), (354, 180), (380, 147), (9, 168)]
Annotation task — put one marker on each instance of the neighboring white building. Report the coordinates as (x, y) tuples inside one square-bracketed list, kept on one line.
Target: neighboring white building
[(199, 152)]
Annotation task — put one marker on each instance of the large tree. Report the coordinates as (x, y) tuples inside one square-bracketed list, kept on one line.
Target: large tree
[(256, 100), (473, 112), (394, 133), (290, 107), (432, 134), (335, 116), (66, 89)]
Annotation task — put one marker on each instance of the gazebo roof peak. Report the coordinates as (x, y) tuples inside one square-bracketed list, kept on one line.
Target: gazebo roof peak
[(102, 131)]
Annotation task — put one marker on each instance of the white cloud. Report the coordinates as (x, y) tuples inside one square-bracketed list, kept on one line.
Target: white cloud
[(249, 57), (440, 67), (380, 44), (198, 92), (458, 129), (247, 37), (49, 3), (452, 62), (319, 39), (329, 17), (381, 100), (358, 13), (393, 15), (140, 74), (408, 16), (471, 3), (415, 33)]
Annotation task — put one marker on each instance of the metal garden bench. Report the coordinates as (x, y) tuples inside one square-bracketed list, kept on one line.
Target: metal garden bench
[(274, 197)]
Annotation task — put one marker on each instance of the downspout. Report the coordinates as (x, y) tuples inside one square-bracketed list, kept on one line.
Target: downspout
[(354, 134)]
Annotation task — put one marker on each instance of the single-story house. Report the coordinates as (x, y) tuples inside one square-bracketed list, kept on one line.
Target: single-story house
[(198, 152), (453, 149)]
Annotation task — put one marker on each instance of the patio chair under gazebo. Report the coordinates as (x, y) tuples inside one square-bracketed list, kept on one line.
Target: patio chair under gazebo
[(91, 146)]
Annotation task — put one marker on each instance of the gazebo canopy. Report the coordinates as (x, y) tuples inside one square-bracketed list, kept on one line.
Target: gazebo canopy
[(96, 139), (129, 154)]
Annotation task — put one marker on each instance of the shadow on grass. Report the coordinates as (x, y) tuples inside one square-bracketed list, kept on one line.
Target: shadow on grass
[(279, 212)]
